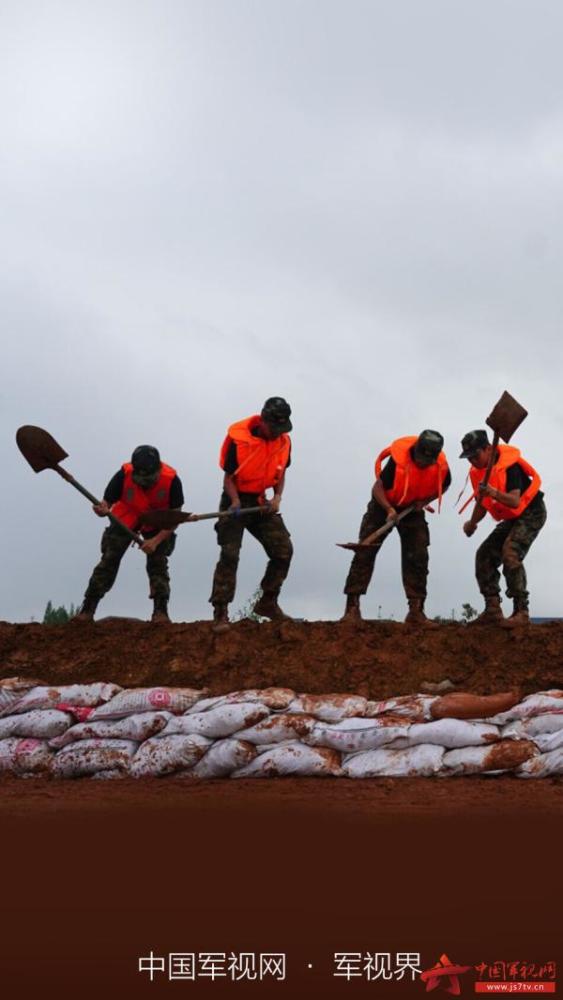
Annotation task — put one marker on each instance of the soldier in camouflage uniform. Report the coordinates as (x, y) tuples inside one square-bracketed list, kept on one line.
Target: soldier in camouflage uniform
[(143, 484), (514, 499), (415, 473), (254, 456)]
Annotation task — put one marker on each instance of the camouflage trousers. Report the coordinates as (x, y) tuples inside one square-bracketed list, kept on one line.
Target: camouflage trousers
[(272, 534), (415, 539), (508, 544), (114, 546)]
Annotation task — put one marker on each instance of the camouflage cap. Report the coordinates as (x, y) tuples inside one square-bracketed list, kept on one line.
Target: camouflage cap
[(429, 445), (145, 458), (472, 442), (276, 412)]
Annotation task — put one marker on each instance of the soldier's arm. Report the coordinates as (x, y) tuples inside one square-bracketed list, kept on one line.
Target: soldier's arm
[(230, 488), (378, 494), (511, 499)]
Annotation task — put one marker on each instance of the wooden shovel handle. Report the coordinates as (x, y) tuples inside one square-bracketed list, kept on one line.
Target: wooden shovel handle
[(90, 496)]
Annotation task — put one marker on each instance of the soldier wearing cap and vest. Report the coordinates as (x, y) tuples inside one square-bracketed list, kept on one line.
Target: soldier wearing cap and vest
[(254, 456), (145, 483), (514, 499), (416, 473)]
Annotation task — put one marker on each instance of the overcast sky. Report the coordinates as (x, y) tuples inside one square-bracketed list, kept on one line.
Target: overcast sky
[(355, 205)]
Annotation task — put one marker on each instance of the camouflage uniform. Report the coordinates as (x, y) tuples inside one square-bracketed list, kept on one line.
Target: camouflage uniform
[(508, 544), (115, 543), (415, 539), (272, 534)]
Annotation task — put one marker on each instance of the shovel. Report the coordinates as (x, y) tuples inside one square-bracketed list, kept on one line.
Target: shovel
[(505, 418), (43, 452), (370, 540), (166, 519)]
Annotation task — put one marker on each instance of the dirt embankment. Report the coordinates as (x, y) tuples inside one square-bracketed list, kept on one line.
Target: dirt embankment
[(375, 659)]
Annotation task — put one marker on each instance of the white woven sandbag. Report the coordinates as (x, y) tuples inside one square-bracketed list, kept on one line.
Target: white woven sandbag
[(216, 723), (414, 707), (537, 725), (109, 775), (506, 755), (329, 707), (12, 689), (164, 755), (355, 735), (295, 759), (30, 756), (222, 758), (39, 724), (534, 704), (279, 727), (452, 733), (274, 698), (549, 741), (85, 695), (423, 760), (88, 756), (542, 766), (133, 727), (134, 700)]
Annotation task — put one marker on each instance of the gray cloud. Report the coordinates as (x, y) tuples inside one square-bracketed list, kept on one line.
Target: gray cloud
[(203, 204)]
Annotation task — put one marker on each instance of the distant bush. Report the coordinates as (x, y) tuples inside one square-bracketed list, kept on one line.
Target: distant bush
[(58, 616)]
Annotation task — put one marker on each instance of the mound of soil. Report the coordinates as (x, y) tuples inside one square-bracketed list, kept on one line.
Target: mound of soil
[(375, 659)]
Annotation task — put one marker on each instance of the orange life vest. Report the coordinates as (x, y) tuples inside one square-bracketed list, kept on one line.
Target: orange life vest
[(135, 501), (260, 463), (412, 482), (507, 456)]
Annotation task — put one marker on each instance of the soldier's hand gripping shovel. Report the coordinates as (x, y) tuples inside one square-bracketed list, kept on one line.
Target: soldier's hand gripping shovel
[(43, 452), (170, 519), (370, 540)]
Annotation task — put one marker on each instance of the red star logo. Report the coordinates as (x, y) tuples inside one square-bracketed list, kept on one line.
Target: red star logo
[(444, 974)]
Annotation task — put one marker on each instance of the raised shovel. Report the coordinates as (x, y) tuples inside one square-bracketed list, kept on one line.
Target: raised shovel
[(43, 452), (505, 418)]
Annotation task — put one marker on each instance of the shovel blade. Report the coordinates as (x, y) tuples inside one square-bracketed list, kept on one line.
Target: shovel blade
[(506, 416), (354, 546), (39, 448), (166, 519)]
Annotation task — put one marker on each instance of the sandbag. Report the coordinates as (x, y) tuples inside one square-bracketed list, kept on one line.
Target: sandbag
[(274, 698), (506, 755), (164, 755), (134, 700), (224, 757), (88, 756), (413, 707), (134, 727), (24, 756), (354, 735), (13, 688), (216, 723), (40, 724), (542, 766), (329, 707), (549, 741), (551, 722), (451, 733), (278, 728), (49, 697), (460, 705), (424, 760), (534, 704), (295, 759)]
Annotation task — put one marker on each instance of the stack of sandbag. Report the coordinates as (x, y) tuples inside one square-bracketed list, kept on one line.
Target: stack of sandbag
[(104, 731)]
